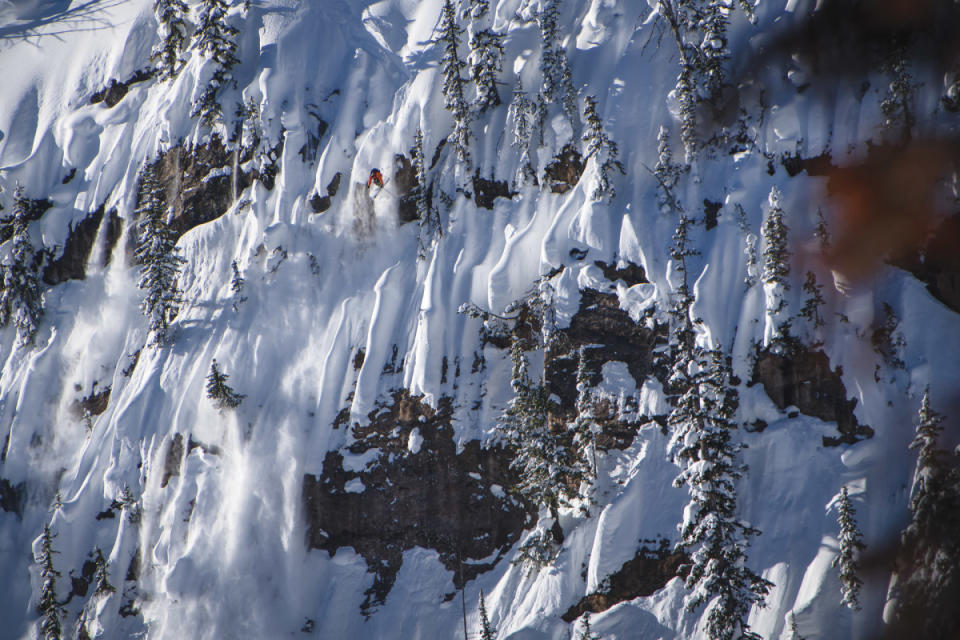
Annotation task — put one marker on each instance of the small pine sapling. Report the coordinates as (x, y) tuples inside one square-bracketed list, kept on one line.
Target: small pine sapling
[(822, 233), (811, 308), (602, 149), (667, 172), (586, 633), (130, 504), (486, 631), (851, 543), (237, 284), (219, 391)]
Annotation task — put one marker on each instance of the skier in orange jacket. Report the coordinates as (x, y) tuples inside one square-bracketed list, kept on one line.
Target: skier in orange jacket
[(375, 178)]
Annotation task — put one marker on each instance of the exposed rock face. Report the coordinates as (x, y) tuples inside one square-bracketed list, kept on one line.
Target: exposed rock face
[(200, 182), (171, 464), (485, 191), (414, 496), (564, 172), (116, 90), (72, 262), (12, 497), (93, 404), (648, 572), (319, 203), (803, 379), (609, 334), (404, 180), (630, 273)]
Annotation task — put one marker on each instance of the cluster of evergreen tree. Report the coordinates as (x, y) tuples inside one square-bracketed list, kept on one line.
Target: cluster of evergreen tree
[(699, 29), (525, 115), (215, 39), (701, 424), (454, 99), (555, 462), (555, 74), (174, 37), (21, 301), (159, 258)]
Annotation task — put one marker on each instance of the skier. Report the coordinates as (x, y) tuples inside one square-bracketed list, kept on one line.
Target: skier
[(376, 178)]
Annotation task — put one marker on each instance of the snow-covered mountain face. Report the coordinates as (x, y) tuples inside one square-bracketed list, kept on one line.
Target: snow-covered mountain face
[(376, 467)]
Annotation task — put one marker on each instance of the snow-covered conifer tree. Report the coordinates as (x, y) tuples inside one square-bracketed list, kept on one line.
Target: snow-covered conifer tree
[(699, 28), (22, 297), (219, 391), (427, 214), (168, 54), (713, 21), (453, 83), (683, 336), (602, 149), (585, 424), (776, 269), (49, 607), (931, 465), (586, 633), (667, 172), (486, 631), (158, 256), (702, 446), (556, 76), (522, 114), (236, 287), (486, 56), (216, 41), (851, 543)]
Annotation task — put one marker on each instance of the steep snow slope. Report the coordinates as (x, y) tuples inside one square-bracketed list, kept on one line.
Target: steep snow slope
[(219, 540)]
